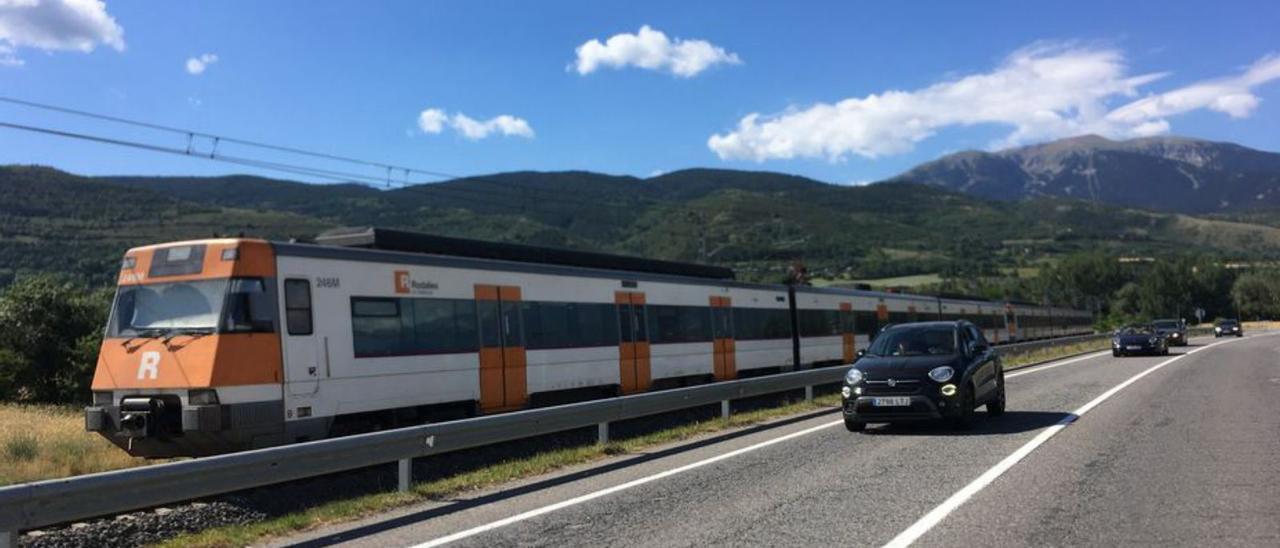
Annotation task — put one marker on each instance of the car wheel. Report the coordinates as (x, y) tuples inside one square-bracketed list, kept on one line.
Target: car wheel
[(963, 420), (854, 426), (1165, 352), (995, 407), (1115, 353)]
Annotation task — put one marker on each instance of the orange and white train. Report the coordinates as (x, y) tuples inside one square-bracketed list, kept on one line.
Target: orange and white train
[(228, 344)]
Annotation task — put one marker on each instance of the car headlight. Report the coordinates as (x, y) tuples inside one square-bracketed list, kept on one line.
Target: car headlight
[(854, 376), (1217, 329), (1153, 340), (942, 374)]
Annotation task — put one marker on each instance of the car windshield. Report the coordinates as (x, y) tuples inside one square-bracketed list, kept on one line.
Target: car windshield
[(1136, 330), (1228, 323), (228, 305), (1166, 324), (915, 341)]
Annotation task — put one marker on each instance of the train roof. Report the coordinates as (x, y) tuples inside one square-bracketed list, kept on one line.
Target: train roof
[(416, 242)]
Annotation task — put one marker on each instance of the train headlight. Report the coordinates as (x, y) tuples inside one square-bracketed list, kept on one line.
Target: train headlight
[(942, 374), (202, 397), (854, 376), (102, 398)]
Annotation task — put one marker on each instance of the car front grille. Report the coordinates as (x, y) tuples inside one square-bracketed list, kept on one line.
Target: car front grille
[(901, 387)]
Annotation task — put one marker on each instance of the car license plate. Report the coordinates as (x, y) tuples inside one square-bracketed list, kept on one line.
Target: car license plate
[(891, 402), (1133, 347)]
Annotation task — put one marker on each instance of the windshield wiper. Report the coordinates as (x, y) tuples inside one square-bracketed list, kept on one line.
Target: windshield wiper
[(147, 333), (194, 333)]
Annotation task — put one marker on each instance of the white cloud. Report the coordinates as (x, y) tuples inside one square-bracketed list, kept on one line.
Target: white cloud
[(197, 65), (1230, 96), (7, 58), (434, 120), (55, 25), (651, 49), (1044, 91)]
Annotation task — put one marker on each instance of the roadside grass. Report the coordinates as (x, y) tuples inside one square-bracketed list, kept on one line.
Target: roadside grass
[(1259, 326), (1027, 359), (40, 442), (500, 473)]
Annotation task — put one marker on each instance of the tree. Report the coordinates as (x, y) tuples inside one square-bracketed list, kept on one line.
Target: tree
[(48, 347), (1257, 295)]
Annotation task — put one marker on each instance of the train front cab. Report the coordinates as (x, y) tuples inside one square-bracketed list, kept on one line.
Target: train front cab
[(191, 359)]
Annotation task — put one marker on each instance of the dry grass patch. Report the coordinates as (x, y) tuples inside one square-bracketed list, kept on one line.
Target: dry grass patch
[(1027, 359), (40, 442)]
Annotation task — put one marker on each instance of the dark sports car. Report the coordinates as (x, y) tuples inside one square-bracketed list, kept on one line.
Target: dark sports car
[(1226, 328), (1138, 339), (1174, 331)]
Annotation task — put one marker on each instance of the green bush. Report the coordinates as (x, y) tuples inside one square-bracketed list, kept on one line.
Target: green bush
[(50, 330)]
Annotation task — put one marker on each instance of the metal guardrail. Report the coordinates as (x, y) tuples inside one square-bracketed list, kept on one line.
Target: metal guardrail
[(1030, 346), (44, 503)]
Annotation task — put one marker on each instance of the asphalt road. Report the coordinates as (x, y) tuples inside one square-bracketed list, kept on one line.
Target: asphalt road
[(1186, 454)]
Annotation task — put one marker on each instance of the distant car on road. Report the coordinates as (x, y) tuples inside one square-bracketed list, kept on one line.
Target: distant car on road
[(1172, 330), (1138, 339), (922, 371), (1228, 327)]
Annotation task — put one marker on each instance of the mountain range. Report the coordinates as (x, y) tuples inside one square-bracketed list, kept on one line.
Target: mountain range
[(757, 222), (1162, 173)]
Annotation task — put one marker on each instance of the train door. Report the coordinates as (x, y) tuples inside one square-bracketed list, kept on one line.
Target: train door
[(633, 343), (1010, 324), (882, 316), (302, 360), (502, 358), (726, 366), (846, 331)]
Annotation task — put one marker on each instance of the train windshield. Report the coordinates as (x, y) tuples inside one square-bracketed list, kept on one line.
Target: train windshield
[(226, 305), (915, 341)]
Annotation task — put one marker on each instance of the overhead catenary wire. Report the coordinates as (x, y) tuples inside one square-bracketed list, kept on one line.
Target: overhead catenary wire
[(451, 192), (191, 135)]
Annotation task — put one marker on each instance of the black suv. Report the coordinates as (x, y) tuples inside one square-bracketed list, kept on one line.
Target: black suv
[(1227, 328), (1173, 331), (921, 371)]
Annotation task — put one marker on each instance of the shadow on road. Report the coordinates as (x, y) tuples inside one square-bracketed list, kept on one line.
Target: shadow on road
[(460, 505), (1013, 422)]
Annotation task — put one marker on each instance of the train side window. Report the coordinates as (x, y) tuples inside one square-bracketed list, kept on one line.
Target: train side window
[(297, 306)]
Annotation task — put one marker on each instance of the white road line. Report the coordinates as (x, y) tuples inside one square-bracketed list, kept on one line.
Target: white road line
[(621, 487), (935, 516), (1039, 368)]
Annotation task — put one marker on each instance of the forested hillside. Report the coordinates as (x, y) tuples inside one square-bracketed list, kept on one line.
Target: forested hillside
[(757, 222)]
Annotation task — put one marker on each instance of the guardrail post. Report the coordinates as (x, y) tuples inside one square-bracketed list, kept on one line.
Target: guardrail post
[(724, 409), (808, 394), (9, 539), (406, 474), (602, 432)]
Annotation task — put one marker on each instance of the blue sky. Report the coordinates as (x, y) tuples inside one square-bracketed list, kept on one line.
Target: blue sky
[(842, 91)]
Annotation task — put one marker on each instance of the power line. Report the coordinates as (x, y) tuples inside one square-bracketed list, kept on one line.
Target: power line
[(330, 175), (390, 168)]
